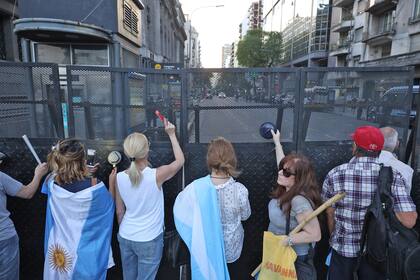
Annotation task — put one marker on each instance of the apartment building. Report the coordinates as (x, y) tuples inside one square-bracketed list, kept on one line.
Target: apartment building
[(375, 33), (305, 27), (253, 18), (226, 55), (192, 52)]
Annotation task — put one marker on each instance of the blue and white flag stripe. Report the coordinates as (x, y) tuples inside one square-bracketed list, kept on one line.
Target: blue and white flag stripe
[(78, 233), (197, 219)]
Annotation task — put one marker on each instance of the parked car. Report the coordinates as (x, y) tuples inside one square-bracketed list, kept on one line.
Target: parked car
[(392, 106), (221, 95)]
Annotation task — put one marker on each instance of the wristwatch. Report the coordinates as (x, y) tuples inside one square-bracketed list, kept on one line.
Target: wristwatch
[(289, 241)]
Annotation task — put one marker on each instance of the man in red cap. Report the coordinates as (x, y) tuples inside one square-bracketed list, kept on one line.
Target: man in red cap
[(359, 179)]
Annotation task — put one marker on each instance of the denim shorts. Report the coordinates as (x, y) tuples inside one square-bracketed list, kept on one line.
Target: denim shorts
[(9, 258), (140, 260)]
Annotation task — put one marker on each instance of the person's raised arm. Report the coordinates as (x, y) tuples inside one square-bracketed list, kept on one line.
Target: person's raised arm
[(166, 172), (119, 204), (278, 146), (112, 181), (29, 190)]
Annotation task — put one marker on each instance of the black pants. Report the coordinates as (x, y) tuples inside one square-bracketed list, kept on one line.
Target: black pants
[(342, 268), (239, 269)]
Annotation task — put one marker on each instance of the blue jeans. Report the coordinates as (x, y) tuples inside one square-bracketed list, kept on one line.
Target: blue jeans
[(140, 260), (9, 258)]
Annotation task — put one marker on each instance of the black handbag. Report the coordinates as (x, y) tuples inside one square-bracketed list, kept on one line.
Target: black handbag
[(175, 250)]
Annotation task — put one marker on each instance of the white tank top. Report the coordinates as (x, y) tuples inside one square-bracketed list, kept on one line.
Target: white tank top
[(144, 215)]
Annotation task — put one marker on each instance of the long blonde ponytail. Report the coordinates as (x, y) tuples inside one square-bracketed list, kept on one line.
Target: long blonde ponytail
[(136, 146)]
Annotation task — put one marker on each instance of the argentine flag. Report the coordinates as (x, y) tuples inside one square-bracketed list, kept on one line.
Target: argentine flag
[(78, 232), (197, 219)]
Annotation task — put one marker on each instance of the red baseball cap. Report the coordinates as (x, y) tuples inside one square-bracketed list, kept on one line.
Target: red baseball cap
[(369, 138)]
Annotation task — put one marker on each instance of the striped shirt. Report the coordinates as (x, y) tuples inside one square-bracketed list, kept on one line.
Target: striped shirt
[(358, 179)]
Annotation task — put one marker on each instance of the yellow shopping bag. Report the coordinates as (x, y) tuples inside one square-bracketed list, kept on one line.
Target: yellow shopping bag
[(278, 260)]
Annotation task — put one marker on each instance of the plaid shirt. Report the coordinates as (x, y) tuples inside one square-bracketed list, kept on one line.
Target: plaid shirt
[(358, 179)]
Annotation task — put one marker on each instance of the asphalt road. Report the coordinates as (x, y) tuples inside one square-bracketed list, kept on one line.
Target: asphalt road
[(242, 125)]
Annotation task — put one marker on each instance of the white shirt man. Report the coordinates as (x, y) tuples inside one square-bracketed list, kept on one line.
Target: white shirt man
[(389, 159)]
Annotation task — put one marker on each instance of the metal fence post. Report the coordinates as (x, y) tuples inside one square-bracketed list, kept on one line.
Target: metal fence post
[(72, 129)]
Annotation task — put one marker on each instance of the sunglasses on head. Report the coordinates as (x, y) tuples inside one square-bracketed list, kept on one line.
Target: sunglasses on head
[(287, 173)]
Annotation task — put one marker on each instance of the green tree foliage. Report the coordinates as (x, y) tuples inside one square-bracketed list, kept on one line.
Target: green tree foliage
[(260, 49), (231, 83)]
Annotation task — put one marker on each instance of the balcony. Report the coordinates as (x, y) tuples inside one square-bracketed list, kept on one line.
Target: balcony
[(378, 7), (345, 25), (381, 38), (342, 3), (341, 48)]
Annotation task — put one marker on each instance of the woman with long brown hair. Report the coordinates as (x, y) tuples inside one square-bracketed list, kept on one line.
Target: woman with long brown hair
[(79, 217), (295, 198), (213, 207)]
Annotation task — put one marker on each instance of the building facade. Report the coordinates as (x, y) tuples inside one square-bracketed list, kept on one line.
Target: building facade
[(192, 52), (120, 33), (226, 55), (305, 26), (376, 33), (8, 42), (253, 18), (163, 33)]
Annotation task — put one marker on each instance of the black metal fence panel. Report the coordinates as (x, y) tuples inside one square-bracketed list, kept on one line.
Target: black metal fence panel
[(315, 109), (108, 103), (29, 100)]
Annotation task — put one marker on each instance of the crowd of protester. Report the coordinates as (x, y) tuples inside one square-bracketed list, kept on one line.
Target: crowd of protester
[(208, 212)]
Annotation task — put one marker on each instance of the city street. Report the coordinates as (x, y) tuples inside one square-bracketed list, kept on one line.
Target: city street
[(242, 125)]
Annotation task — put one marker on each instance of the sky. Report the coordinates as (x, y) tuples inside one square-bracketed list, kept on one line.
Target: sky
[(216, 26)]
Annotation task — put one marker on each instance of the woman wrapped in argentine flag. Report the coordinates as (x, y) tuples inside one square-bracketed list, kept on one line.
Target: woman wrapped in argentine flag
[(79, 217)]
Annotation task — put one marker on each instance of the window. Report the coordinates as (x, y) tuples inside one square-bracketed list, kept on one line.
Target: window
[(90, 54), (386, 50), (130, 60), (358, 34), (415, 43), (52, 53), (130, 19), (386, 22), (80, 54), (3, 55), (356, 60), (416, 9)]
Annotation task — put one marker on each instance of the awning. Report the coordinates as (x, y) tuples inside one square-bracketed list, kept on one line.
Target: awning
[(56, 30)]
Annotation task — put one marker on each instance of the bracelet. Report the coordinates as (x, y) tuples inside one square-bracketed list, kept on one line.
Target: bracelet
[(289, 241)]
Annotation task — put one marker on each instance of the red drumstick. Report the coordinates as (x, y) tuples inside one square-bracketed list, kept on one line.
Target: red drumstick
[(159, 115)]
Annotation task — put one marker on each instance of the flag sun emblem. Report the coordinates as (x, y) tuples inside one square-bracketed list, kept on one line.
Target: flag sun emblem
[(59, 258)]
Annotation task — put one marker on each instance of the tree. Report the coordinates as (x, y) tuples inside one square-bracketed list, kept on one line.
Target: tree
[(260, 49)]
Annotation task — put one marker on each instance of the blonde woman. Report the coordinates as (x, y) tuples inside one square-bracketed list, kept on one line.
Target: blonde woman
[(220, 204), (79, 217), (140, 208)]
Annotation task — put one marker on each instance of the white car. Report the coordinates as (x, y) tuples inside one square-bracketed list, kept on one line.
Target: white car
[(221, 95)]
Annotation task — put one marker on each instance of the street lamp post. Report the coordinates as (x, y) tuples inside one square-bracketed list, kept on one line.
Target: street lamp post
[(190, 31)]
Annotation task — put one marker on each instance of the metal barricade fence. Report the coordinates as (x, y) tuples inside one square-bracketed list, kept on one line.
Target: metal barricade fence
[(316, 110)]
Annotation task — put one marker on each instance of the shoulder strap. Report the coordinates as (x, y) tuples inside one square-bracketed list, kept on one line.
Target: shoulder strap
[(288, 223), (384, 184), (383, 191), (93, 181)]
